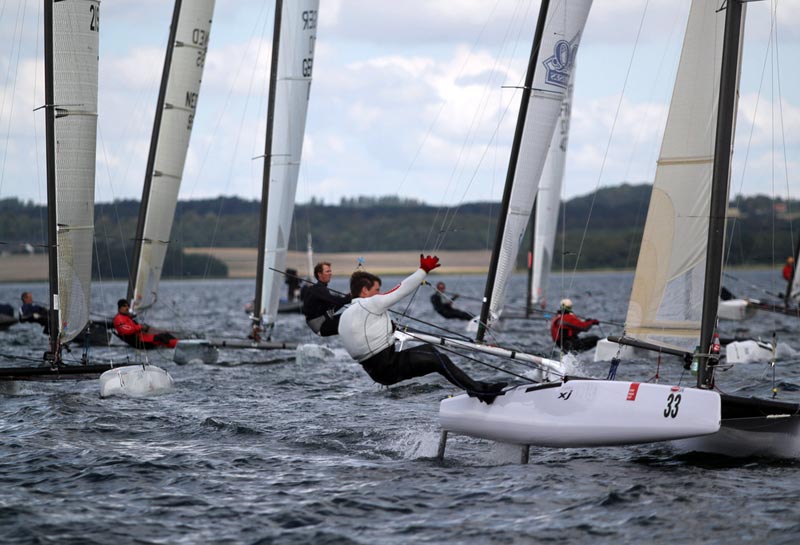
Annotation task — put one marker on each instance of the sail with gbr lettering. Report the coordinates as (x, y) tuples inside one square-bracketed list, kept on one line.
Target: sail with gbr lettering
[(290, 87), (548, 200), (172, 129)]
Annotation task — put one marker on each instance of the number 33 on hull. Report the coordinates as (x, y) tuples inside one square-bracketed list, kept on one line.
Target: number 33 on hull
[(585, 413)]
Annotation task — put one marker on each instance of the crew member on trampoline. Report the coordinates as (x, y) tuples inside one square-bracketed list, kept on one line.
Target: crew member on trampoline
[(443, 304), (137, 335), (565, 328)]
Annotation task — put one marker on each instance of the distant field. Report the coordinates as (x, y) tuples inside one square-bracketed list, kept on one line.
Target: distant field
[(21, 267), (241, 263)]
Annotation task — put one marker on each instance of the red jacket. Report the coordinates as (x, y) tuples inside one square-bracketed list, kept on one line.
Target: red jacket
[(568, 325), (787, 272), (128, 329)]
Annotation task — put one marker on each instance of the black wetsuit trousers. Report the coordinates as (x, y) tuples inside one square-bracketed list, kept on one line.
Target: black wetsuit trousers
[(579, 344), (390, 367), (454, 313)]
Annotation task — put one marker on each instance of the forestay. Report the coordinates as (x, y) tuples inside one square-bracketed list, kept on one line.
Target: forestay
[(172, 129), (667, 296), (75, 41), (298, 33), (564, 25)]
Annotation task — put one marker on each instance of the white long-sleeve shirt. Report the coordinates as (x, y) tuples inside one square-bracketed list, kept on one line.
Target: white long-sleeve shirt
[(365, 327)]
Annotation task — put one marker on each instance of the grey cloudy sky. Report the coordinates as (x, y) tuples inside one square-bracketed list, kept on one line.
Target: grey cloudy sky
[(410, 98)]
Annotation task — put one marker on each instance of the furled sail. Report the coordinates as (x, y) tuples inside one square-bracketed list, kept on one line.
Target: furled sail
[(75, 35), (292, 87), (548, 200), (562, 33), (668, 288), (172, 129)]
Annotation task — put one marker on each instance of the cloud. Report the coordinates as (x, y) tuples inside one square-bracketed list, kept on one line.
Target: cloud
[(414, 98)]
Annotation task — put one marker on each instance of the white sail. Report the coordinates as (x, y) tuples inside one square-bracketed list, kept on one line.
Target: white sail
[(548, 200), (75, 61), (562, 33), (667, 296), (172, 134), (298, 33)]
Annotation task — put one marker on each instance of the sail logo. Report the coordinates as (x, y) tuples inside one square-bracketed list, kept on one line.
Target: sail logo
[(559, 65)]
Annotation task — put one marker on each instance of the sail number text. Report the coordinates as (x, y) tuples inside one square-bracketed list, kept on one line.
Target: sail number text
[(94, 11), (200, 39), (673, 403), (309, 23)]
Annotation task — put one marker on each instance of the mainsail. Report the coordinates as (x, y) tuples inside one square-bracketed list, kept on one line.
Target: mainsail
[(177, 101), (552, 59), (71, 52), (667, 296), (290, 87), (548, 200)]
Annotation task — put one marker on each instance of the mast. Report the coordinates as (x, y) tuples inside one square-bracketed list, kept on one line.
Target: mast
[(262, 224), (151, 157), (512, 166), (726, 111), (54, 356)]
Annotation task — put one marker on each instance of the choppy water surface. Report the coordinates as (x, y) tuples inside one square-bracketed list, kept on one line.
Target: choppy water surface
[(262, 449)]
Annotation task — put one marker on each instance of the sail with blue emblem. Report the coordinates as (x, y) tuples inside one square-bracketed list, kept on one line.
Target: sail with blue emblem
[(563, 27)]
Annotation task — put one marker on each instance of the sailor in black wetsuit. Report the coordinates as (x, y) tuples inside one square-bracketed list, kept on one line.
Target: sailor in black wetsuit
[(320, 303), (443, 304)]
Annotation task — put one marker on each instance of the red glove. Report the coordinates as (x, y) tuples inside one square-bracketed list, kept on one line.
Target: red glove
[(428, 263)]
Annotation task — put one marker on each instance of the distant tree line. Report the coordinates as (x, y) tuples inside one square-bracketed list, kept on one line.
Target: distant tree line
[(604, 228)]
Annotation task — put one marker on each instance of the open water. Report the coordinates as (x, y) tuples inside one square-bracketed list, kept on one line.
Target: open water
[(264, 449)]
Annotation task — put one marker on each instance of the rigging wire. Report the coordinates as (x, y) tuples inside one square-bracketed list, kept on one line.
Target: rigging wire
[(608, 143), (471, 134)]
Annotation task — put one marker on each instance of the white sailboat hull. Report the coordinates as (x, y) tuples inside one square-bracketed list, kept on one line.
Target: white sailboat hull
[(735, 309), (136, 381), (607, 350), (585, 413), (758, 352), (769, 436), (195, 351)]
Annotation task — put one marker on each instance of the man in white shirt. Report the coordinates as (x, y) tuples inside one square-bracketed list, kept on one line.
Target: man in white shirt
[(366, 332)]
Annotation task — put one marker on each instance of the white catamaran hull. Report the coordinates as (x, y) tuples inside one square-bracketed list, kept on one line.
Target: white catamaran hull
[(768, 436), (136, 381), (607, 350), (735, 309), (195, 351), (585, 413)]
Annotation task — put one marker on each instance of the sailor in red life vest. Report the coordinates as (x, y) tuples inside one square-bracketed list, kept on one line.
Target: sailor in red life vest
[(137, 335), (366, 331), (565, 328), (788, 269)]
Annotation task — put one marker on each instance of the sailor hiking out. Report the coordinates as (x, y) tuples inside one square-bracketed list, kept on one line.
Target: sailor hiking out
[(366, 331)]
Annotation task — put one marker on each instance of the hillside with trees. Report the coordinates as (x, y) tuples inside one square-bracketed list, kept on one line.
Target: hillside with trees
[(605, 227)]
